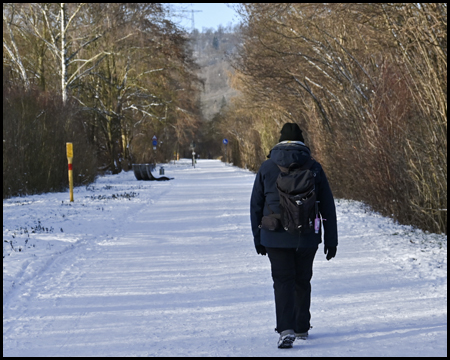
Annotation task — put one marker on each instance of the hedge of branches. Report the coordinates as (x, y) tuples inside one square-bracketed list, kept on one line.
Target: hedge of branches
[(36, 128), (368, 85)]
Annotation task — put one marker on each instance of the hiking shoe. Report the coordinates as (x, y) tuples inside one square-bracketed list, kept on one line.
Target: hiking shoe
[(287, 337), (303, 335)]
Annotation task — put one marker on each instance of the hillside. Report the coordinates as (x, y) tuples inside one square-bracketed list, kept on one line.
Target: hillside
[(211, 49)]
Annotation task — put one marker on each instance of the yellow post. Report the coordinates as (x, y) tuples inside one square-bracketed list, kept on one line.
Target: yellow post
[(69, 148)]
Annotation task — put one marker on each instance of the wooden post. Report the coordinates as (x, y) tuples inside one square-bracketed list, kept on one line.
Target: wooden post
[(69, 148)]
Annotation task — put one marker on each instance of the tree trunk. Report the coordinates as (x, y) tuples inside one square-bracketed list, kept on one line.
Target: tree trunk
[(63, 54)]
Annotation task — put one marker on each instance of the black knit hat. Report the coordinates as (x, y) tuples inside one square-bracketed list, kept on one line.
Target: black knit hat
[(291, 131)]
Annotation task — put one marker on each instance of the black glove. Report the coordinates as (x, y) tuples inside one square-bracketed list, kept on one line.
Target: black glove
[(331, 251), (260, 249)]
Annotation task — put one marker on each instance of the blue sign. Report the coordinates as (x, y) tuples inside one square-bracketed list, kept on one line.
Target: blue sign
[(225, 141), (155, 142)]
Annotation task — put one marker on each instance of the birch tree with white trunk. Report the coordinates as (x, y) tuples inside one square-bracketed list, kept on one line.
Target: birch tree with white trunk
[(66, 39)]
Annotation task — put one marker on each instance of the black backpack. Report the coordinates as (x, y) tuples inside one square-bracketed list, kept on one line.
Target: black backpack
[(297, 190)]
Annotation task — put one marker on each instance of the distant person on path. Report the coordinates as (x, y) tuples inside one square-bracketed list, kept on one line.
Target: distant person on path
[(291, 255)]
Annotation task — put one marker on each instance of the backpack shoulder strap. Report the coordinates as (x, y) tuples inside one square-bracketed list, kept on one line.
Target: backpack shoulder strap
[(272, 213), (283, 169)]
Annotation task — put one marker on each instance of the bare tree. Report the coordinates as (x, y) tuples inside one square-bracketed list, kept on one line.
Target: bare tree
[(66, 31), (9, 43)]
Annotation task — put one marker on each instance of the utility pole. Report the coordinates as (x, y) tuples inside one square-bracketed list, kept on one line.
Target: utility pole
[(192, 17), (193, 23)]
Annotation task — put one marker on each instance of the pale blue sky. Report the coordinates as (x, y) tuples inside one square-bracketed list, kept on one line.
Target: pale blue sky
[(211, 15)]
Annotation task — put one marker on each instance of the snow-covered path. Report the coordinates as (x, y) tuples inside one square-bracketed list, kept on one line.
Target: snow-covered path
[(169, 269)]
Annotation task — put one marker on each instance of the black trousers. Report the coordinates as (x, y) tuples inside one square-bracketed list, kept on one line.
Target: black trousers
[(292, 271)]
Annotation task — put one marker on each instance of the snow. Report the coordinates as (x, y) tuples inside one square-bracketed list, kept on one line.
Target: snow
[(142, 268)]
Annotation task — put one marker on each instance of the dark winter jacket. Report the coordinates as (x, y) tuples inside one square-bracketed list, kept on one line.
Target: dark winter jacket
[(265, 192)]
